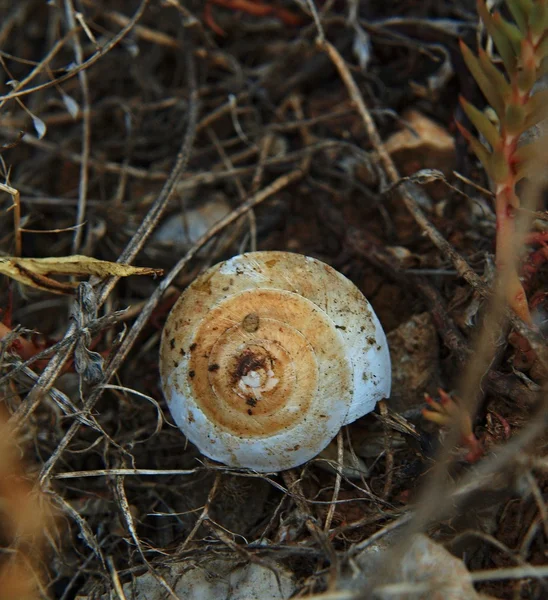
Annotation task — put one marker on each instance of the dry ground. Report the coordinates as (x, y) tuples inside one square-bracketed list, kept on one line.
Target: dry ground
[(116, 117)]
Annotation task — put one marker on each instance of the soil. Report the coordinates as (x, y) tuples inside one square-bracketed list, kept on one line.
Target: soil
[(118, 118)]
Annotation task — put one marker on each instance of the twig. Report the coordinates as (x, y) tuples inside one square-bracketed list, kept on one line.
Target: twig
[(126, 472), (317, 22), (16, 207), (338, 479), (98, 165), (148, 308), (86, 130), (408, 192), (294, 486), (142, 31), (18, 91), (55, 366), (130, 523), (203, 515), (115, 579), (388, 454)]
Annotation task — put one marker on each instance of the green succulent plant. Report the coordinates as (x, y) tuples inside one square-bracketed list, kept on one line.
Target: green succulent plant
[(523, 49)]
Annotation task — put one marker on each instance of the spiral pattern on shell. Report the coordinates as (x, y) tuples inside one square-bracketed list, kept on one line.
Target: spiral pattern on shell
[(265, 356)]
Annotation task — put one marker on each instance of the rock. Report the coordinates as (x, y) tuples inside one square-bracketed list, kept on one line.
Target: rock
[(432, 147), (436, 573), (182, 230), (214, 581), (415, 369), (352, 468)]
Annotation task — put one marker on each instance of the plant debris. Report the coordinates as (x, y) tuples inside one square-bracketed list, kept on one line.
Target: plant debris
[(175, 134), (35, 272)]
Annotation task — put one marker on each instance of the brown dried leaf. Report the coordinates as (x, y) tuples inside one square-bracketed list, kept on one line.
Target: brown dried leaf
[(35, 272)]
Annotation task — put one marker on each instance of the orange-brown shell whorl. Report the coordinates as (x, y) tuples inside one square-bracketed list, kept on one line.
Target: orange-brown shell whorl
[(265, 356)]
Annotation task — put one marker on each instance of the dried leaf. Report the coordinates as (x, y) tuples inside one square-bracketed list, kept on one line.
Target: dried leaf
[(88, 363), (39, 126), (35, 271), (361, 47), (71, 104)]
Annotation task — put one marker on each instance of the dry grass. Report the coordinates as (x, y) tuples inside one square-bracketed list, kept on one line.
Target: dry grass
[(25, 519)]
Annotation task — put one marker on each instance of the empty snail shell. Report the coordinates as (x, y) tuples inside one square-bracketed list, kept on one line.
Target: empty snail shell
[(265, 356)]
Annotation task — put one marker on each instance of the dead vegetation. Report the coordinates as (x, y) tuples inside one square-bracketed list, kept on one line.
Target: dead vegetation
[(171, 134)]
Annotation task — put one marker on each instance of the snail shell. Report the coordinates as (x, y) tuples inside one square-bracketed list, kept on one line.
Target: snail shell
[(265, 356)]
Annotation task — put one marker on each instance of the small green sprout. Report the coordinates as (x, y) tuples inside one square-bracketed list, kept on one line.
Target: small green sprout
[(523, 48)]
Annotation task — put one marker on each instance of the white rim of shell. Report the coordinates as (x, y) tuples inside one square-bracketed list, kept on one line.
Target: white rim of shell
[(209, 321)]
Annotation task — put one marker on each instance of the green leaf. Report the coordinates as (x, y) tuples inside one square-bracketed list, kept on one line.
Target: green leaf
[(509, 31), (499, 167), (503, 44), (543, 70), (532, 152), (497, 78), (481, 123), (514, 119), (491, 93), (537, 109), (538, 19), (483, 154), (519, 14), (529, 159), (526, 79), (525, 5), (542, 48)]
